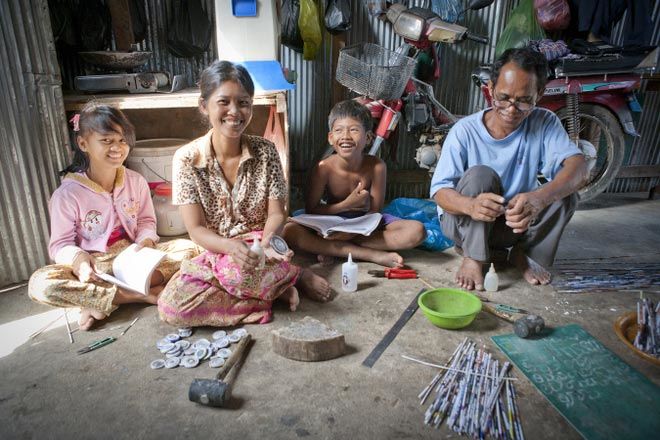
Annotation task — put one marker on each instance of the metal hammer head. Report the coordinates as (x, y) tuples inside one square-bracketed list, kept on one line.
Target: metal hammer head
[(529, 325), (209, 392)]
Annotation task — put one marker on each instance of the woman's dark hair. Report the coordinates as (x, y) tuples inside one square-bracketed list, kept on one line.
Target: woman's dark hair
[(100, 118), (222, 71), (351, 109), (528, 60)]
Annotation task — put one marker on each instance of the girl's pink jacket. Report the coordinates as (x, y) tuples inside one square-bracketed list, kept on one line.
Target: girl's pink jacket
[(82, 214)]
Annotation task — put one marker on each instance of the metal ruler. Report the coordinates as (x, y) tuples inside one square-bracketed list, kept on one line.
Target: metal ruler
[(391, 334)]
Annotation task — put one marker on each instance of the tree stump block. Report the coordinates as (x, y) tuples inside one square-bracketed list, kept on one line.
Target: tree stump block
[(308, 340)]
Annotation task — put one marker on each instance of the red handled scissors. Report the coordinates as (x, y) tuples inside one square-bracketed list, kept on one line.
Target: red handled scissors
[(394, 273)]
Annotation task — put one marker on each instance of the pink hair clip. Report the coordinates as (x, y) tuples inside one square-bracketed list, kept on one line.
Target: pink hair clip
[(75, 120)]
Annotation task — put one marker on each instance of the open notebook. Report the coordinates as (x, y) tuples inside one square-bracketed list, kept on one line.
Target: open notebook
[(327, 224)]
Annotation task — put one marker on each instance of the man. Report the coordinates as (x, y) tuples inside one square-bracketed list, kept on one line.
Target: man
[(486, 183)]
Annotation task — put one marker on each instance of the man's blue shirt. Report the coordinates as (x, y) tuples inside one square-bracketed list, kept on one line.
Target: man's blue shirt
[(539, 145)]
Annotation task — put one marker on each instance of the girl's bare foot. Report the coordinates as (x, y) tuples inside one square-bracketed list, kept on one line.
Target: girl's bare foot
[(154, 293), (532, 272), (124, 296), (314, 286), (88, 317), (291, 296), (470, 275)]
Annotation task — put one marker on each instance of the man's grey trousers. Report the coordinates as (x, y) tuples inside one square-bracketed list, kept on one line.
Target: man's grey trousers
[(476, 238)]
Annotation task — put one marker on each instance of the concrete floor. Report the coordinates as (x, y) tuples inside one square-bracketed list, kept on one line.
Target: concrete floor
[(47, 391)]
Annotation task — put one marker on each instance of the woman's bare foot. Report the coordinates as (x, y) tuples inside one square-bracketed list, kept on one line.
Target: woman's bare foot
[(291, 296), (470, 275), (325, 260), (88, 317), (532, 272), (314, 286)]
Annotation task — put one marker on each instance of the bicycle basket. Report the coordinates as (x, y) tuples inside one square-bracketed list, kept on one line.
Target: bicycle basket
[(374, 71)]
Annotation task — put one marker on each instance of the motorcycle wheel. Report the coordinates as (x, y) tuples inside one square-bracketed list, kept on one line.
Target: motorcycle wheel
[(600, 128)]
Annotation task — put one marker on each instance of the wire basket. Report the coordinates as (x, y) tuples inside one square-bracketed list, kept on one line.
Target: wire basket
[(374, 71)]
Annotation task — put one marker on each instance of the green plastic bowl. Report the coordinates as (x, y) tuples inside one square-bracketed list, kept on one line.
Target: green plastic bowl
[(449, 308)]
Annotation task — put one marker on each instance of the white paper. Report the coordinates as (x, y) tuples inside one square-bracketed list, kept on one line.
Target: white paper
[(132, 269)]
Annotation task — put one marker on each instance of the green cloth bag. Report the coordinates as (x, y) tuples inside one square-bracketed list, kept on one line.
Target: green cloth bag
[(310, 29), (521, 28)]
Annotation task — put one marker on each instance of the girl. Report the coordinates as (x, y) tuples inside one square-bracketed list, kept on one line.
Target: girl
[(231, 190), (99, 210)]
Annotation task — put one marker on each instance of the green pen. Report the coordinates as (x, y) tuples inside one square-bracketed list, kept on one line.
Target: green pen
[(97, 344)]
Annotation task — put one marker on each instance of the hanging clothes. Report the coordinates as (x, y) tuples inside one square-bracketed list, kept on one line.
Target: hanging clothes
[(599, 16)]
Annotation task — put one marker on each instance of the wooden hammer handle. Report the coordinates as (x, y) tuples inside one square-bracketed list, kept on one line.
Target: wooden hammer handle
[(503, 315), (235, 356)]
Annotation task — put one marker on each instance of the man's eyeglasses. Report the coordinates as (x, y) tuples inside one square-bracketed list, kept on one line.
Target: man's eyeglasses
[(519, 105)]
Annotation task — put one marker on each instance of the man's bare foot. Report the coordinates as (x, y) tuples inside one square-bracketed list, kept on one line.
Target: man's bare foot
[(291, 296), (470, 275), (532, 271), (314, 286), (88, 317), (325, 260)]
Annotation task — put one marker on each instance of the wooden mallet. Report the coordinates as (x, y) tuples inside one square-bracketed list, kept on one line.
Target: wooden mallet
[(216, 392)]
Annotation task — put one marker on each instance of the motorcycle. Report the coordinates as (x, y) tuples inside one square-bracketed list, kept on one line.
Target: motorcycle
[(386, 81), (594, 100)]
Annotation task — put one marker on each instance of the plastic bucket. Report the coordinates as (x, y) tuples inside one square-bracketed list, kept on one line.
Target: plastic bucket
[(153, 158)]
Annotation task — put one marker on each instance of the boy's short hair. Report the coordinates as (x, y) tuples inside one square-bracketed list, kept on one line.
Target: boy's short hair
[(350, 109)]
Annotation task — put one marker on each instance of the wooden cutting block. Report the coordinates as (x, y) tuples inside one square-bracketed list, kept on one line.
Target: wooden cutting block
[(308, 340)]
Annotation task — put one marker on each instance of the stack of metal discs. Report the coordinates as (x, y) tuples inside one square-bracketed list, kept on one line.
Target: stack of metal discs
[(181, 352)]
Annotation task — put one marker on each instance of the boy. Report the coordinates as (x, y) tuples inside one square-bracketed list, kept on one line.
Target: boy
[(354, 185)]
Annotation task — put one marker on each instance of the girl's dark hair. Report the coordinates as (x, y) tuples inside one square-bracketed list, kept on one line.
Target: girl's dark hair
[(100, 118), (351, 109), (222, 71), (528, 60)]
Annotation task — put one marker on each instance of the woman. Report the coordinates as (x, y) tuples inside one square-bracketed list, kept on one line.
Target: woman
[(231, 189)]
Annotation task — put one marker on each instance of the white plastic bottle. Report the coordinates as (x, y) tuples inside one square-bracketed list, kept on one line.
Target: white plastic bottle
[(491, 281), (257, 249), (349, 275)]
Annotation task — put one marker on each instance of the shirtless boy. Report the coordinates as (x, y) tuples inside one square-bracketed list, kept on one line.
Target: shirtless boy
[(353, 184)]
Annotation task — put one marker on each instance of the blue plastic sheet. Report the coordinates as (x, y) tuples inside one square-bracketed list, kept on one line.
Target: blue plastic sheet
[(424, 211)]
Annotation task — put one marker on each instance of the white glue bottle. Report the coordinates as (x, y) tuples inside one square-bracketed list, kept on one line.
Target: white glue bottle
[(257, 249), (492, 280), (349, 275)]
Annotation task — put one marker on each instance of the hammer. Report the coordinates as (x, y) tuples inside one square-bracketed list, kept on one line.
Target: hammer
[(215, 392), (528, 325)]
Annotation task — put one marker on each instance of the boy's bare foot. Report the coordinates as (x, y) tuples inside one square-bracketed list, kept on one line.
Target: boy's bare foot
[(387, 259), (325, 260), (314, 286), (291, 296), (532, 272), (470, 275), (88, 317)]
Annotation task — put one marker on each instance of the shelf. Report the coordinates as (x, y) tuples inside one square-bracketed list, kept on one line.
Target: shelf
[(186, 98)]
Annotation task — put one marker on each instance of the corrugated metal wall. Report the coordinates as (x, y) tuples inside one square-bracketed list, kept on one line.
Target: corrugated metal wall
[(32, 133)]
